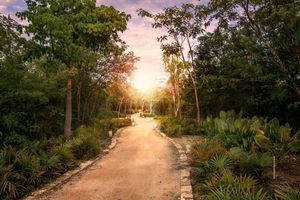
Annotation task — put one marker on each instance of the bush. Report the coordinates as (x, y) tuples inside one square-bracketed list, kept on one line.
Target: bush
[(285, 192), (85, 147), (146, 114), (250, 163), (176, 127), (236, 150), (112, 124), (202, 153), (30, 164), (255, 134)]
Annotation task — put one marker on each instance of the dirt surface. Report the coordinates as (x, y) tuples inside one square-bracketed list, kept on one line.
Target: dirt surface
[(190, 140), (143, 166), (287, 172)]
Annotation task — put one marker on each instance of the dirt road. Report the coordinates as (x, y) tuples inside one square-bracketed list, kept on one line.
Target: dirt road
[(143, 166)]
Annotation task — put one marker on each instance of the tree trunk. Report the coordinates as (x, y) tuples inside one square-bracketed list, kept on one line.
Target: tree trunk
[(143, 107), (93, 111), (192, 76), (197, 103), (130, 108), (125, 109), (68, 116), (151, 107), (174, 100), (178, 109), (120, 106), (79, 102)]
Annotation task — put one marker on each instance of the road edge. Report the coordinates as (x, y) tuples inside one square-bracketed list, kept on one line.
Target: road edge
[(186, 191), (48, 188)]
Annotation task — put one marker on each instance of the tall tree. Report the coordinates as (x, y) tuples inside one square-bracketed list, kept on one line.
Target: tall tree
[(183, 24), (271, 23), (69, 31), (175, 68)]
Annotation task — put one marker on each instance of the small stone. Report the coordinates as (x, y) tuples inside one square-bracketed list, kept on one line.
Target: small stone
[(185, 182), (184, 173), (106, 151)]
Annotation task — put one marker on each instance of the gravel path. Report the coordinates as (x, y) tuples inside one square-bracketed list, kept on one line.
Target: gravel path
[(143, 166)]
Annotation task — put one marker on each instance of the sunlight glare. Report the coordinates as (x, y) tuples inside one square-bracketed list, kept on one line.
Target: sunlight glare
[(142, 83), (146, 82)]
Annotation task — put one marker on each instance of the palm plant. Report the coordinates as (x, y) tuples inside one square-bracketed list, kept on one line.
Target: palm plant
[(220, 163), (204, 151), (286, 192), (236, 193), (228, 186)]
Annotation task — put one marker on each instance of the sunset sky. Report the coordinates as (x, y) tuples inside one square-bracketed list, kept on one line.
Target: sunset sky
[(140, 37)]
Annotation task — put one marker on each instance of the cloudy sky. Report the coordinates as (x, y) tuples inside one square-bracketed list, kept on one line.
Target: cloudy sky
[(140, 37)]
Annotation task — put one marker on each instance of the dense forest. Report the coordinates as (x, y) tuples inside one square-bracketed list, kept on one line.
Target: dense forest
[(63, 74), (234, 80), (241, 57)]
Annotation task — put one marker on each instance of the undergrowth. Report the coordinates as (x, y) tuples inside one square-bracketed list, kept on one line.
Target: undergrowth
[(31, 164)]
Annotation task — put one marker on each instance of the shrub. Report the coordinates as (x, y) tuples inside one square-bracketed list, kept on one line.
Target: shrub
[(85, 147), (65, 156), (236, 193), (285, 192), (30, 164), (18, 168), (174, 130), (255, 134), (220, 163), (112, 124), (176, 127), (203, 152), (236, 149), (250, 163)]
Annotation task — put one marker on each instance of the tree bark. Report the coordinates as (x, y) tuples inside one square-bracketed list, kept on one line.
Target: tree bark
[(125, 109), (68, 116), (193, 78), (195, 83), (130, 107), (179, 105), (197, 104), (79, 102), (120, 106)]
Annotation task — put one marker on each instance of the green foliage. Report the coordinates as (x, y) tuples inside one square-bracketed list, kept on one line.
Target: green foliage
[(34, 163), (175, 127), (285, 192), (81, 44), (252, 135), (236, 150), (220, 163), (113, 124), (85, 147), (147, 114), (245, 62), (236, 193), (203, 152), (250, 163)]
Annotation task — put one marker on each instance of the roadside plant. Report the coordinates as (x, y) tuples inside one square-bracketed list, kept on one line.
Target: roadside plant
[(286, 192)]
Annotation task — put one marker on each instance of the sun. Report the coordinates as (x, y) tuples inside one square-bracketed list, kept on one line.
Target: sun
[(147, 80), (142, 83)]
